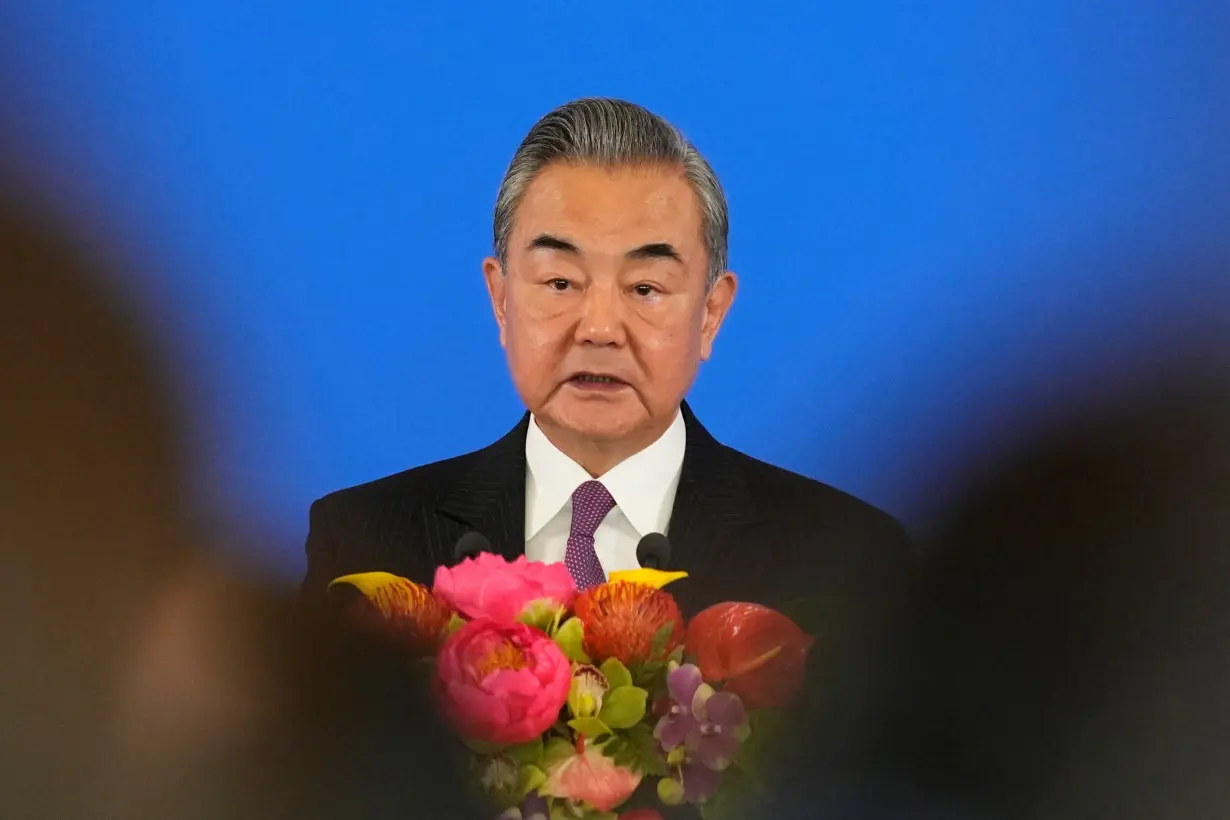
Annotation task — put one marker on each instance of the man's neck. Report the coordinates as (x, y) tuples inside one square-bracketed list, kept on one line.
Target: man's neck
[(598, 457)]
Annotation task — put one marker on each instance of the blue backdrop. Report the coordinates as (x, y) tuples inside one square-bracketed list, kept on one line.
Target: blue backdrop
[(947, 219)]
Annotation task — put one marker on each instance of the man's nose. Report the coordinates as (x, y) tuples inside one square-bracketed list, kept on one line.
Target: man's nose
[(601, 321)]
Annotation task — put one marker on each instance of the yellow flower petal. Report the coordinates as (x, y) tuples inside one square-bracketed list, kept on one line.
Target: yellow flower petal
[(389, 593), (655, 578), (399, 609)]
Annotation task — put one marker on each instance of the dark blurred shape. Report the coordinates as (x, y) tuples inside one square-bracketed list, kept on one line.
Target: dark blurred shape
[(139, 677), (1073, 652)]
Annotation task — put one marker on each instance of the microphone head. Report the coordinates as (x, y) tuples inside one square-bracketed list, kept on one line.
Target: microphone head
[(470, 545), (653, 551)]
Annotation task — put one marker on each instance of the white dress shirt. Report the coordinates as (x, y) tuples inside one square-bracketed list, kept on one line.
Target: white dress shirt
[(642, 485)]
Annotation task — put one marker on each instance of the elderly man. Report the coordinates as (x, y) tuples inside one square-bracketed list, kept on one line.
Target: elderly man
[(609, 286)]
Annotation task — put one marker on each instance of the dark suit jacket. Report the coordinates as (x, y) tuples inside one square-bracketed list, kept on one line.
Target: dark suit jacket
[(743, 530)]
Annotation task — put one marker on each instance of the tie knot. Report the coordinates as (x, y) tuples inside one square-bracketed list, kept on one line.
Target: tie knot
[(590, 504)]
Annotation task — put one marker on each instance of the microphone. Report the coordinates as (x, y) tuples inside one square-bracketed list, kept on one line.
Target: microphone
[(470, 545), (653, 551)]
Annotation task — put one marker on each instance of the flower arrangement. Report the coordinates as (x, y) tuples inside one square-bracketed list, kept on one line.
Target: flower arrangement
[(570, 702)]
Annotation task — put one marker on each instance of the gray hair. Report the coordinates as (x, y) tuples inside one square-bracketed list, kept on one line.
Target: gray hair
[(612, 133)]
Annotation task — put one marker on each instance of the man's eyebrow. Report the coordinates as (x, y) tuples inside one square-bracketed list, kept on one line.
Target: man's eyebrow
[(553, 243), (655, 250)]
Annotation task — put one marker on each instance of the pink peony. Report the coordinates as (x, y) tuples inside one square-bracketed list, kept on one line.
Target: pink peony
[(502, 683), (489, 586), (592, 777)]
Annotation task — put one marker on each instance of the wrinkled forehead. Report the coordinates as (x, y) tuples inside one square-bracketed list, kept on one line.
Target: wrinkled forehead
[(609, 208)]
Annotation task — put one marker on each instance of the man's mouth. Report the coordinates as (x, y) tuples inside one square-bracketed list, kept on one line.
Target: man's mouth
[(595, 381)]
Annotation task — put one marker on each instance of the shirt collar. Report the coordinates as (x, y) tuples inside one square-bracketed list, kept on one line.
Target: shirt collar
[(643, 485)]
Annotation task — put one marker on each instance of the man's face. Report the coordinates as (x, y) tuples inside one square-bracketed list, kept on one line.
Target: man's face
[(603, 307)]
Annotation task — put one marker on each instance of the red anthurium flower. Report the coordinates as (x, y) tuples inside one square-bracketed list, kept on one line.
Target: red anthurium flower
[(756, 652), (621, 618)]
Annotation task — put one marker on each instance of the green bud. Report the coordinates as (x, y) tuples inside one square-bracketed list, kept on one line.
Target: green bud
[(670, 791)]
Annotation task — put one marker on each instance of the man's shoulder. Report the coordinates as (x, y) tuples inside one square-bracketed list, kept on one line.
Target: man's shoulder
[(788, 496), (422, 484), (428, 483)]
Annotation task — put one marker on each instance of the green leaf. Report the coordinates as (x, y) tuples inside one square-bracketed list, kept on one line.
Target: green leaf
[(647, 675), (529, 779), (590, 727), (641, 732), (757, 753), (657, 648), (615, 747), (541, 615), (455, 623), (556, 750), (480, 747), (617, 675), (571, 637), (732, 800), (642, 752), (624, 708), (676, 656), (527, 754), (569, 810), (625, 758)]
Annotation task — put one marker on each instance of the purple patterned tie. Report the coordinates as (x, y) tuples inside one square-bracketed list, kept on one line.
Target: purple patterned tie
[(590, 504)]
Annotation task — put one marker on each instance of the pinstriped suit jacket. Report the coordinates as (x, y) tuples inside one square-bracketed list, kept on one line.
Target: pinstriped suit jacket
[(743, 529)]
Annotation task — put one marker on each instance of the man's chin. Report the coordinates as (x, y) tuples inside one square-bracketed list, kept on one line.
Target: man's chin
[(597, 426), (601, 432)]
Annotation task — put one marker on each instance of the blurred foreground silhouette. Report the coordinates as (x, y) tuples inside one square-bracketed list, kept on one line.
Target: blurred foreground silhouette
[(1073, 653), (141, 678), (1066, 652)]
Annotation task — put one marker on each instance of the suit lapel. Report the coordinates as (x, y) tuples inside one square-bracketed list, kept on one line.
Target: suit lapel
[(711, 503), (490, 495)]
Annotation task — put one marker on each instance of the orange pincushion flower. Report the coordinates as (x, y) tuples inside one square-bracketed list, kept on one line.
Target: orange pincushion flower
[(621, 619), (400, 609)]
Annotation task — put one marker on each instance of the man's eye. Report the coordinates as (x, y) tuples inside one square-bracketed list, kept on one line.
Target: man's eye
[(558, 284), (644, 290)]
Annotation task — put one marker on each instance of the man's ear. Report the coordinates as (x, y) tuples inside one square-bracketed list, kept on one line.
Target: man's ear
[(497, 286), (717, 305)]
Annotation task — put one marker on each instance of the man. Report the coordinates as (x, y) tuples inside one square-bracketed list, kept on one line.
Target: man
[(609, 286)]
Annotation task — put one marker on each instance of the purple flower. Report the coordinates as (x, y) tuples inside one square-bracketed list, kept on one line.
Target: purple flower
[(700, 729), (699, 783), (533, 807)]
